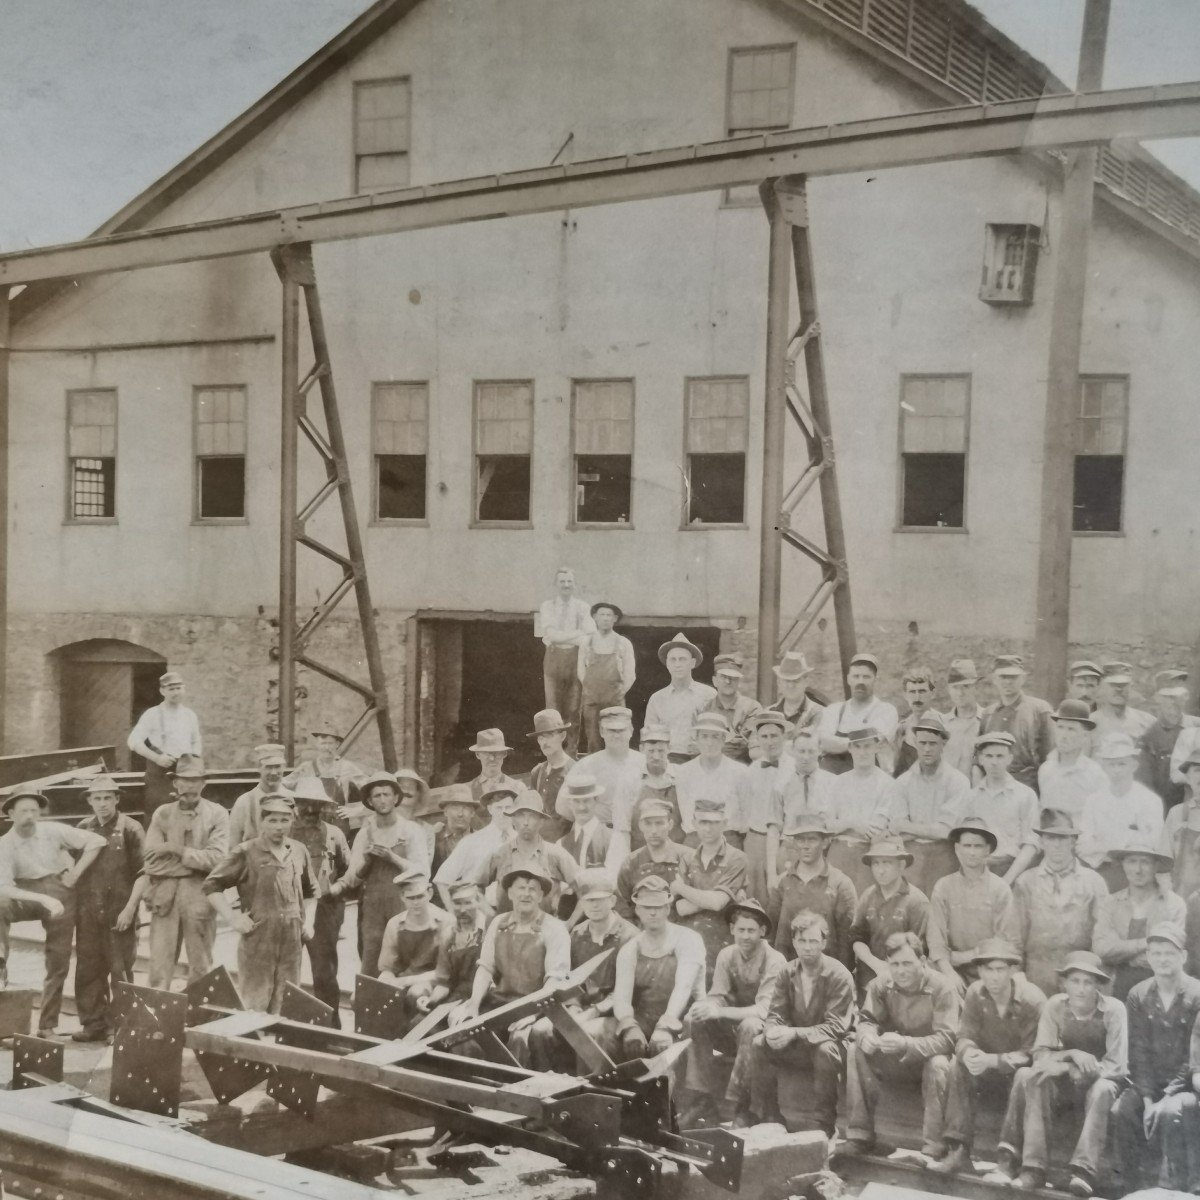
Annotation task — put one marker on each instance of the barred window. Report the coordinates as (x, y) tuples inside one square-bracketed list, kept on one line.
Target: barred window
[(716, 437), (1100, 431), (503, 450), (381, 134), (934, 420), (400, 437), (92, 455), (602, 430), (220, 414)]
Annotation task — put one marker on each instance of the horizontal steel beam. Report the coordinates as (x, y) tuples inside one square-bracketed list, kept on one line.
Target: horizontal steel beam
[(944, 134)]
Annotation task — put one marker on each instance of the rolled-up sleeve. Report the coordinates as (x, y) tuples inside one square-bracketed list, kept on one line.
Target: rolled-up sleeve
[(558, 951)]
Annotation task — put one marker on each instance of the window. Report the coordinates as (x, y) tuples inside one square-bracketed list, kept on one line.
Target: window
[(400, 427), (503, 450), (603, 433), (220, 453), (1100, 453), (760, 97), (934, 413), (1010, 261), (381, 133), (715, 440), (92, 455)]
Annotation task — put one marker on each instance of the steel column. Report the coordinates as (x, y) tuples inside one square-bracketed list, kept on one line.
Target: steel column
[(288, 466), (5, 334), (1053, 611), (779, 294)]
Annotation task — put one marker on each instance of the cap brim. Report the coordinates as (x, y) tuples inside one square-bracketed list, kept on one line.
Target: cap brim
[(1094, 972), (906, 858)]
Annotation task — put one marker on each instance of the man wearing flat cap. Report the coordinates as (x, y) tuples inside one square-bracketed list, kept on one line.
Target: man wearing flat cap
[(1070, 777), (340, 777), (861, 804), (738, 709), (162, 735), (713, 776), (606, 670), (105, 922), (40, 865), (409, 952), (862, 711), (918, 686), (766, 779), (1159, 741), (727, 1020), (1026, 718), (677, 705), (1083, 681), (1113, 712), (471, 854), (527, 848), (964, 717), (1157, 1122), (1009, 806), (659, 855), (243, 816)]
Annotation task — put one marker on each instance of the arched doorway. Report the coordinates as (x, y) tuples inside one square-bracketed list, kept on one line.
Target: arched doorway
[(104, 685)]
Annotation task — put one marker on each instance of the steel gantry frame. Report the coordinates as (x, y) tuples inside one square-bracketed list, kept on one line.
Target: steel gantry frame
[(786, 159)]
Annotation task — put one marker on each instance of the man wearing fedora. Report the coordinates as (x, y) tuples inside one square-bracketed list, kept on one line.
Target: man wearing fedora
[(864, 710), (563, 624), (659, 855), (105, 923), (677, 705), (185, 841), (490, 750), (1113, 712), (41, 863), (1057, 901), (473, 852), (606, 670), (890, 905), (797, 704), (712, 776), (546, 778), (964, 716), (996, 1033), (528, 848), (1080, 1061), (243, 816), (162, 735), (969, 906), (1025, 718), (1009, 806), (1156, 1118), (1070, 776), (738, 709), (458, 807), (1125, 917), (340, 777), (930, 798), (724, 1024), (588, 839)]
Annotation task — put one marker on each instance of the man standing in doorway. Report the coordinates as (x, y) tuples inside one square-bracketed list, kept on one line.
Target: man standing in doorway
[(606, 671), (163, 734), (1026, 718), (677, 705), (564, 624)]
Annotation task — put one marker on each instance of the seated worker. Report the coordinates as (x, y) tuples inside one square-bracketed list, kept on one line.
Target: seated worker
[(729, 1018), (890, 905), (275, 883), (808, 1021), (529, 849), (970, 906), (1056, 901), (810, 884), (860, 805), (524, 950), (1079, 1058), (802, 794), (712, 776), (660, 973), (1157, 1128), (999, 1023), (1009, 807), (410, 940), (906, 1030), (476, 849), (1124, 918), (458, 945), (764, 780), (709, 879), (659, 856)]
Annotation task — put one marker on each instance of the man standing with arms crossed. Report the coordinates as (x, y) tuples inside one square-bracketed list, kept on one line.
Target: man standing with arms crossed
[(677, 705), (564, 624), (163, 734)]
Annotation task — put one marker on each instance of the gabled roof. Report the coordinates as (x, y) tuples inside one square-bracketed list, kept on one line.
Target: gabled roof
[(945, 46)]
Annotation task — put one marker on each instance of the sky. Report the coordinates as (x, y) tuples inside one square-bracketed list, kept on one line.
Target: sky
[(100, 97)]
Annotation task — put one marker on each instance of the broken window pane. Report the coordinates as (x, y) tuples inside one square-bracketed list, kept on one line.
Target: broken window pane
[(222, 487)]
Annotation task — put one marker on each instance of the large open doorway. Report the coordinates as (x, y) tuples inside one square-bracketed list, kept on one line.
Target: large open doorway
[(482, 671), (104, 686)]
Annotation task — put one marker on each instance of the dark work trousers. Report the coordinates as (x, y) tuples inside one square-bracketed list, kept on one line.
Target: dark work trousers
[(560, 680), (103, 956), (158, 791), (323, 951), (60, 936)]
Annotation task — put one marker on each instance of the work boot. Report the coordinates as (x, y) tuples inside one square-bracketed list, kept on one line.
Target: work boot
[(745, 1119), (1030, 1180), (1080, 1183), (90, 1035), (955, 1161)]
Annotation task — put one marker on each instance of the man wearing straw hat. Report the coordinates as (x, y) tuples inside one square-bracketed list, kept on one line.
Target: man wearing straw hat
[(739, 710), (796, 703), (529, 849), (162, 735), (677, 705), (243, 816), (105, 921)]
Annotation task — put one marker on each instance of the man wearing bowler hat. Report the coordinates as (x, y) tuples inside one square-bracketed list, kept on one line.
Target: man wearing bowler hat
[(105, 922), (890, 905), (799, 706), (243, 816), (677, 705), (1069, 776), (529, 849), (1025, 718), (738, 709), (726, 1022), (186, 840), (864, 710), (162, 735), (41, 863), (1113, 712), (606, 670)]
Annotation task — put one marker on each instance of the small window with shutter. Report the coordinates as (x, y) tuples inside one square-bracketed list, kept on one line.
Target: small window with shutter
[(603, 452), (715, 440), (760, 92), (381, 134), (1100, 429), (220, 453), (934, 422), (92, 455), (503, 451), (400, 434)]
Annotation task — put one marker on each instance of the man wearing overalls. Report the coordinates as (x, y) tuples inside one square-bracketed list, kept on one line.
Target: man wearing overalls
[(606, 671), (275, 884), (458, 946)]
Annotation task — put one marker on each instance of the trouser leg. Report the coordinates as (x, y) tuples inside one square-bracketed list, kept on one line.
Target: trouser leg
[(958, 1122), (198, 925), (829, 1063), (764, 1079), (1133, 1152), (322, 950), (1101, 1095), (164, 946), (862, 1094), (256, 969), (935, 1076), (704, 1072), (289, 948), (1040, 1094), (92, 967), (741, 1041), (156, 791), (590, 721), (60, 939)]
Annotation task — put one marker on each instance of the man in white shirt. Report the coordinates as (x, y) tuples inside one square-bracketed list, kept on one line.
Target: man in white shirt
[(564, 624), (163, 734), (244, 816), (803, 793), (863, 710), (711, 775), (677, 705), (466, 859), (1068, 776)]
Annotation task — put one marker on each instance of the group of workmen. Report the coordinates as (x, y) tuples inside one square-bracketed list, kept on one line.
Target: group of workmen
[(828, 902)]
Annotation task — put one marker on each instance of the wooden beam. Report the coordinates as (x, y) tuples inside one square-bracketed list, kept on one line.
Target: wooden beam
[(941, 135)]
